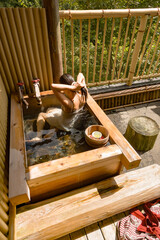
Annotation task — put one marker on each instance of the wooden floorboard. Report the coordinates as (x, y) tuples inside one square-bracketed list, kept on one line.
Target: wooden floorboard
[(108, 229), (79, 235), (94, 232)]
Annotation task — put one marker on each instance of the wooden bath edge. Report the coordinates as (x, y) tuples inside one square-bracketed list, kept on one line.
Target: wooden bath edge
[(130, 158), (18, 188)]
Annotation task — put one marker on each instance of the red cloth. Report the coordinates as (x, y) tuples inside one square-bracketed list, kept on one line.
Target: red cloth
[(139, 226), (150, 223)]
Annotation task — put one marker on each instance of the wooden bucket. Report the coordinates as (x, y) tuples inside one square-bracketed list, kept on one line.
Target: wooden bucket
[(96, 142)]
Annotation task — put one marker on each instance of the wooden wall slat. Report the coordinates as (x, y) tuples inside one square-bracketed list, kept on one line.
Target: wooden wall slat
[(7, 67), (16, 41), (34, 37), (12, 47), (46, 49), (28, 43), (38, 28), (3, 162), (2, 237), (22, 41)]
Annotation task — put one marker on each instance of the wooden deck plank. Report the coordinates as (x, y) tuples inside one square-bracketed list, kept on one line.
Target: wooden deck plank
[(79, 208), (79, 235), (94, 232), (108, 229)]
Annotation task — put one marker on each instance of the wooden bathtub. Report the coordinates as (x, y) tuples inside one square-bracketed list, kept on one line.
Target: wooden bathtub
[(58, 176)]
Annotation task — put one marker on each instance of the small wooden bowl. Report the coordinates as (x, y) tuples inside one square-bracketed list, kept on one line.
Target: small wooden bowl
[(95, 142)]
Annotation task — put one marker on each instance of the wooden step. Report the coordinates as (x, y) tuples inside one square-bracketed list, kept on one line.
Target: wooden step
[(74, 210)]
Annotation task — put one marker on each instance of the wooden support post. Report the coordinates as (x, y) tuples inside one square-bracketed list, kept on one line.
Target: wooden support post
[(142, 132), (54, 34), (18, 188), (137, 48), (76, 209), (12, 222)]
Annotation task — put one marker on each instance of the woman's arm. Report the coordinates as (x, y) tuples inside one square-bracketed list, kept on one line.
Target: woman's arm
[(65, 101), (61, 87)]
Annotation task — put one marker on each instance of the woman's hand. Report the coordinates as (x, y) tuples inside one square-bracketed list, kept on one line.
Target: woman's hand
[(76, 86), (81, 79)]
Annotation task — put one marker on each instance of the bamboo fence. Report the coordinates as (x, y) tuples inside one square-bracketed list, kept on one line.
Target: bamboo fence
[(24, 48), (115, 46)]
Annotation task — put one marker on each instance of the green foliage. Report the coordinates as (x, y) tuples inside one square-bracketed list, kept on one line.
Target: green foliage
[(20, 3), (107, 4)]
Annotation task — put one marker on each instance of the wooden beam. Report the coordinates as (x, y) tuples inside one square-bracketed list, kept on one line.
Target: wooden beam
[(130, 158), (109, 13), (54, 34), (74, 210), (67, 173), (18, 187)]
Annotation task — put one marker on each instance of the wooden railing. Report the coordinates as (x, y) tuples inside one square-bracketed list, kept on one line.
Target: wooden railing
[(111, 46)]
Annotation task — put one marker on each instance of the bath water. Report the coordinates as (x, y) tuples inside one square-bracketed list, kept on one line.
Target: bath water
[(56, 143)]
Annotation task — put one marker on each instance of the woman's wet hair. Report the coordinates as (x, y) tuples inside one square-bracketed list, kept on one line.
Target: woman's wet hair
[(68, 79), (84, 93)]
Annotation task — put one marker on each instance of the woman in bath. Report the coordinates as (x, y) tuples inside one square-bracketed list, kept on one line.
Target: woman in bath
[(72, 96)]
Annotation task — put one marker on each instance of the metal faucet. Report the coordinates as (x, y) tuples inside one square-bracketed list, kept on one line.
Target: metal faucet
[(20, 91), (36, 86)]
